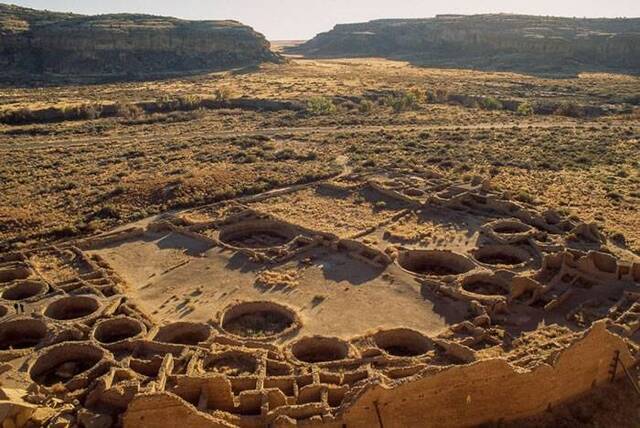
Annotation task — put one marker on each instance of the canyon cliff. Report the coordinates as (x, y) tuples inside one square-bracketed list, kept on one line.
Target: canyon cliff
[(34, 41), (498, 42)]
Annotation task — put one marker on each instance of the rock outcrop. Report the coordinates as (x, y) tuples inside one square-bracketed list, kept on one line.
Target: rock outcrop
[(34, 41), (522, 42)]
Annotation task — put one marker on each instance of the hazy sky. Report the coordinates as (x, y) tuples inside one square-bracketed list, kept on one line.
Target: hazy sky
[(302, 19)]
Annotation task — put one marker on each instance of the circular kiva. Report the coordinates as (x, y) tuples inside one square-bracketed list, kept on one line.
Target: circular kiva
[(319, 349), (257, 234), (118, 329), (72, 308), (434, 262), (232, 363), (403, 342), (501, 255), (61, 363), (259, 320), (22, 334), (183, 333), (24, 290), (485, 284)]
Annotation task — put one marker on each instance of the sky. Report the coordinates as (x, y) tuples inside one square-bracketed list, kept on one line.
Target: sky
[(303, 19)]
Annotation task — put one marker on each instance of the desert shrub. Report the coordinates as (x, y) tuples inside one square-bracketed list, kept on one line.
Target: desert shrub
[(167, 104), (321, 106), (223, 93), (52, 114), (16, 117), (163, 104), (524, 196), (380, 205), (403, 102), (64, 231), (632, 99), (430, 96), (616, 196), (442, 95), (619, 238), (285, 154), (570, 109), (365, 106), (525, 109), (128, 110), (172, 117), (471, 102), (437, 96), (108, 211), (490, 103), (85, 112), (464, 100), (189, 102)]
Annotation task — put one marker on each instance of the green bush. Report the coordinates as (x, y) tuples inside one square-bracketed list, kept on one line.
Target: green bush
[(490, 103), (403, 102), (525, 109), (365, 106), (321, 106)]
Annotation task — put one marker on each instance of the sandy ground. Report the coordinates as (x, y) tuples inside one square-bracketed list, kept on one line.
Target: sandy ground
[(175, 278)]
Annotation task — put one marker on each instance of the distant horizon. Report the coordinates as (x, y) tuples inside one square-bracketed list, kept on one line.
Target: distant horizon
[(296, 20)]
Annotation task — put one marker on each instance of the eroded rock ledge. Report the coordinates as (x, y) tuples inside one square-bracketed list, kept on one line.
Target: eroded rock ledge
[(531, 43), (45, 42)]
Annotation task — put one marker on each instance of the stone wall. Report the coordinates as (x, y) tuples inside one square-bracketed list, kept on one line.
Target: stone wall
[(475, 394), (456, 396)]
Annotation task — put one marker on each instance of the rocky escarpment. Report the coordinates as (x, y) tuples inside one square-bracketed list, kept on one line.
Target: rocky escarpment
[(490, 41), (44, 42)]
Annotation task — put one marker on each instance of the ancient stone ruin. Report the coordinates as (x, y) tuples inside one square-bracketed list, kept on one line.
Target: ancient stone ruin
[(407, 300)]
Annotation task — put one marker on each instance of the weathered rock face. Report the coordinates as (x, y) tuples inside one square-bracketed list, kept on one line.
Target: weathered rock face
[(490, 41), (35, 42)]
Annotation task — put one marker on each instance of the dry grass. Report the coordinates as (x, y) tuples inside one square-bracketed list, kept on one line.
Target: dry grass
[(342, 213), (78, 177)]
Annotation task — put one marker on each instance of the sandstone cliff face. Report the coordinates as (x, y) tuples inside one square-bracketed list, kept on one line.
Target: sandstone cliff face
[(37, 42), (490, 41)]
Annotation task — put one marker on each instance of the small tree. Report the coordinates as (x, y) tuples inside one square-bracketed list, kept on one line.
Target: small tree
[(321, 106)]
